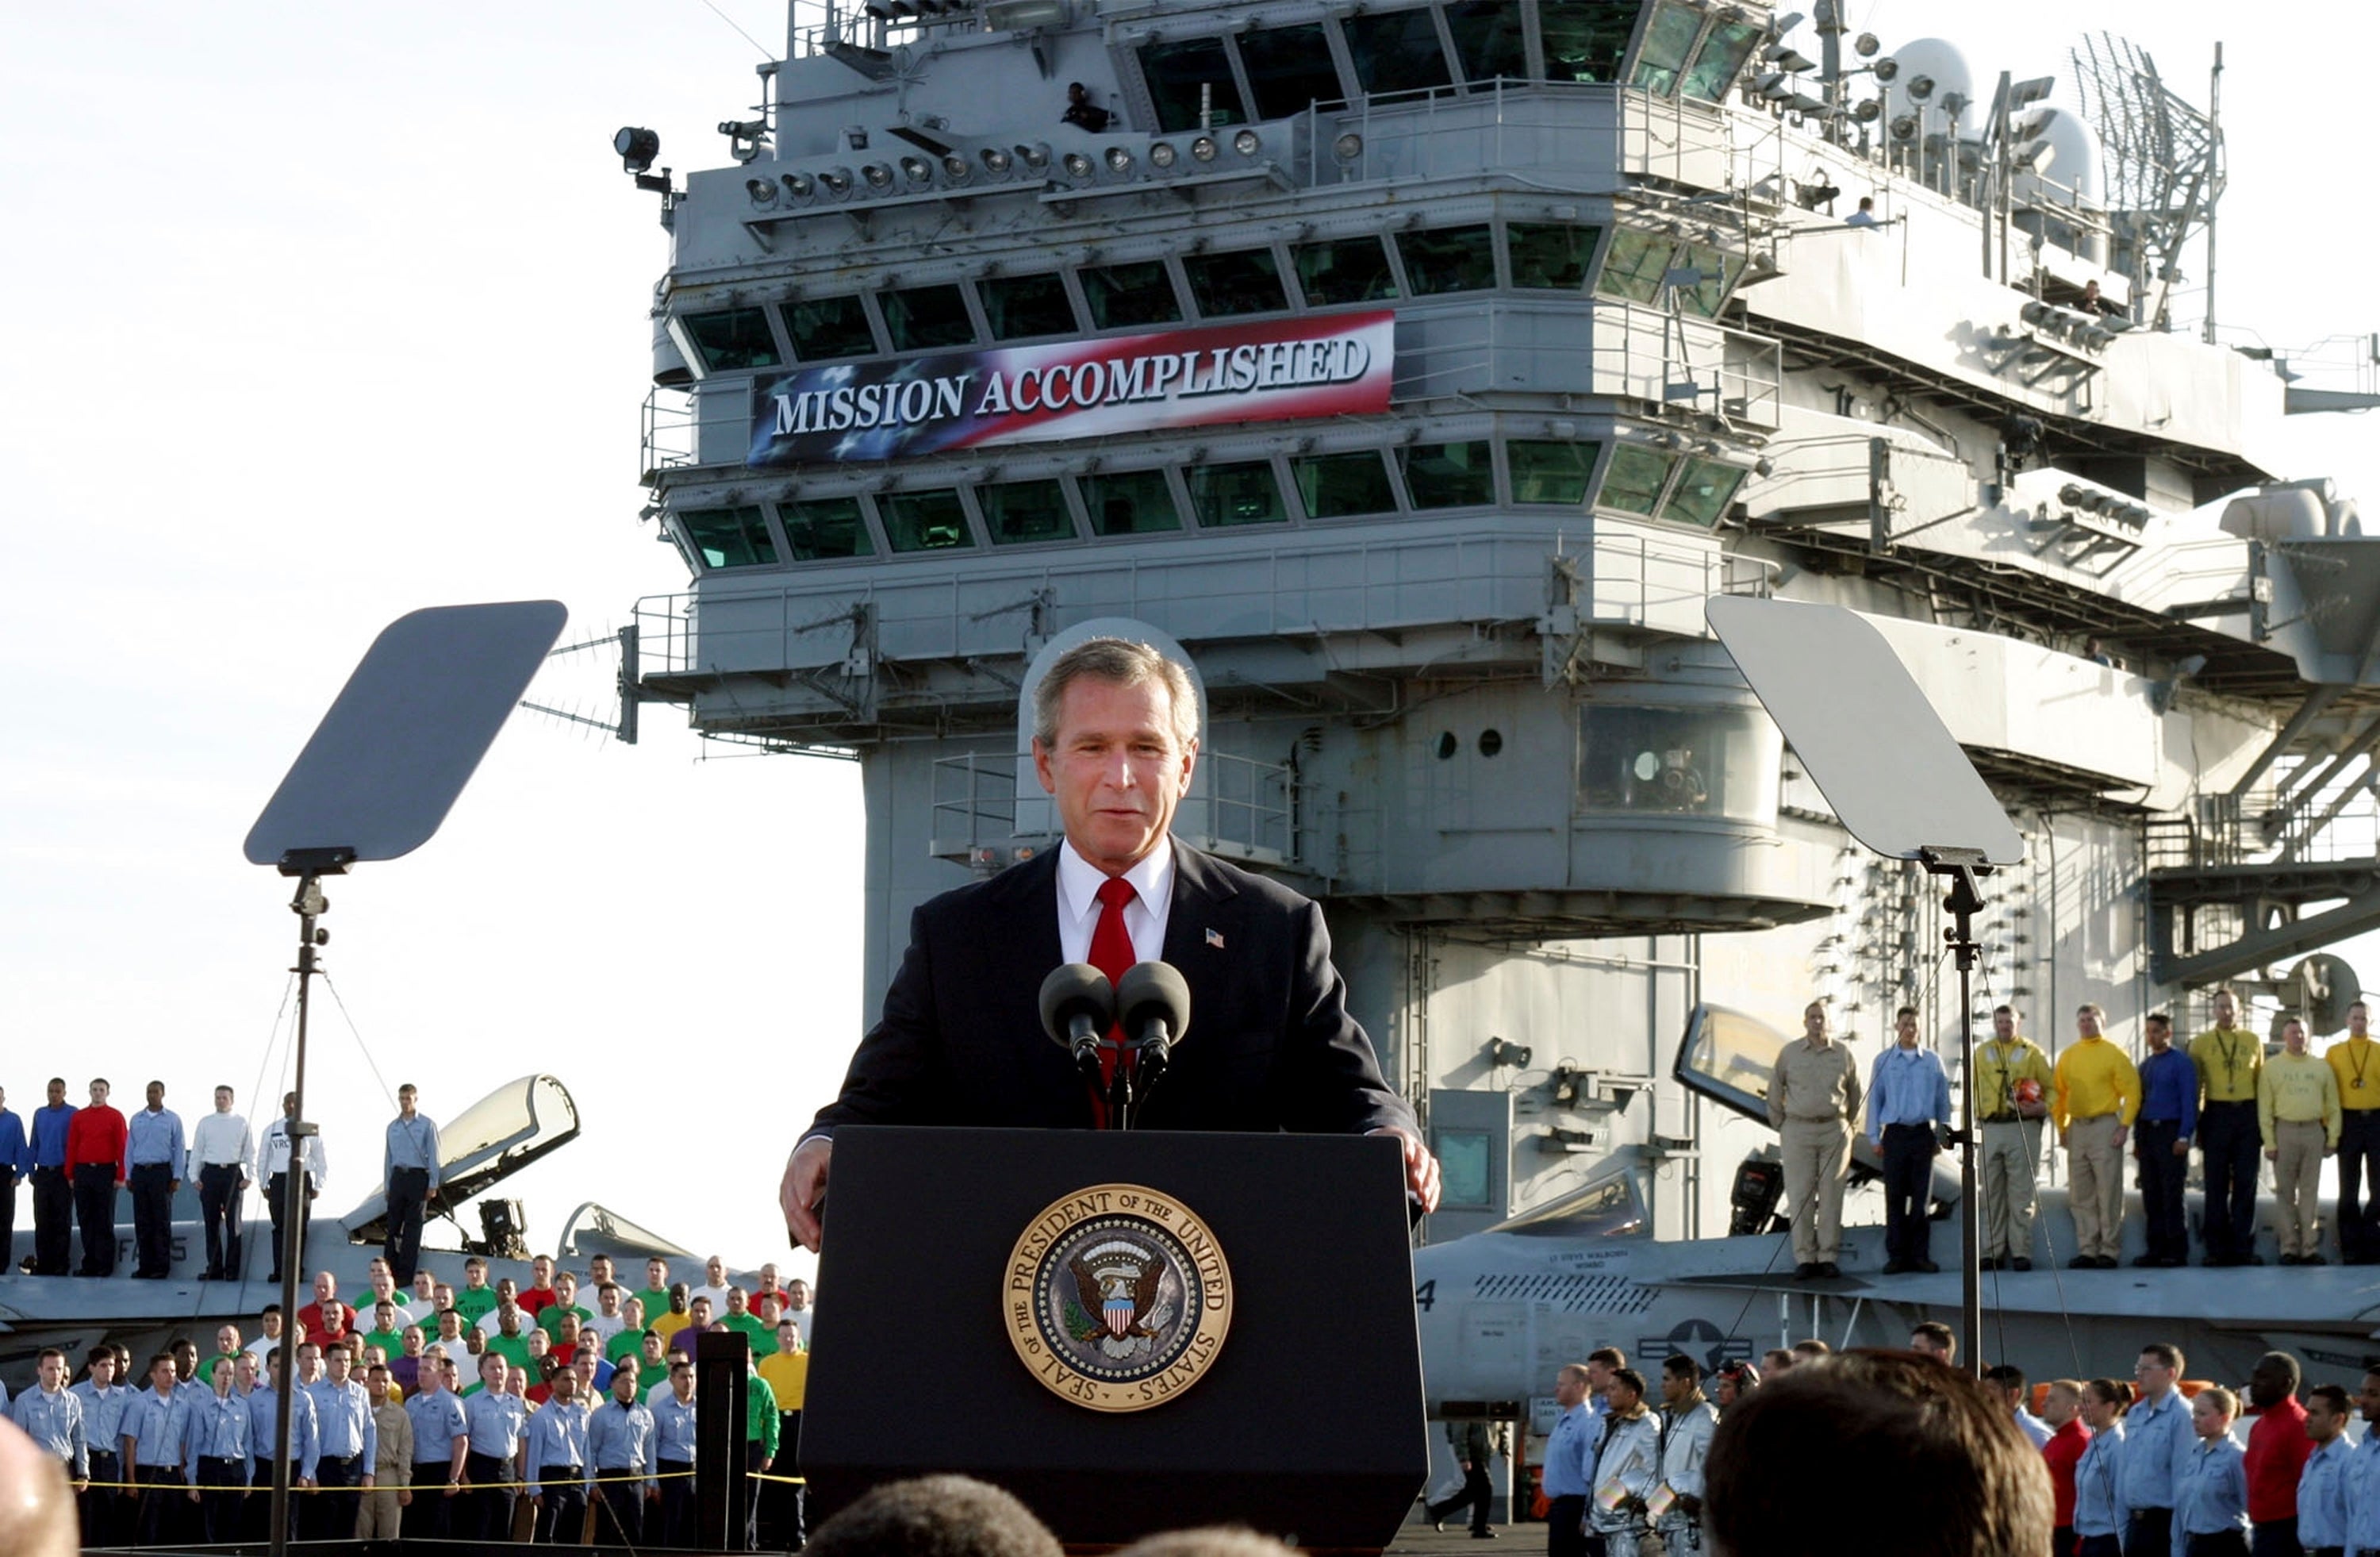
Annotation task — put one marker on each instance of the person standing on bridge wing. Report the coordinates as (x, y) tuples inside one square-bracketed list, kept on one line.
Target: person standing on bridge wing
[(2296, 1110), (1908, 1103), (2355, 1061), (287, 1192), (2229, 1061), (1814, 1101), (411, 1162), (2098, 1096), (2161, 1137), (2011, 1100)]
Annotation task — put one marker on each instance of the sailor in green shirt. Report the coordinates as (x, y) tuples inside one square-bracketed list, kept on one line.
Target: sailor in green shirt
[(387, 1331), (475, 1302), (2296, 1106), (630, 1340), (759, 1439), (511, 1340), (565, 1301), (740, 1317), (656, 1296)]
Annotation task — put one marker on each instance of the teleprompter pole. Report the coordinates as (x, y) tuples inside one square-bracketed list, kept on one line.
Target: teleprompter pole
[(1961, 867)]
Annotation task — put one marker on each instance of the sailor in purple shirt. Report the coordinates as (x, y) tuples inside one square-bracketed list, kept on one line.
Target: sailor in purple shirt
[(2161, 1137)]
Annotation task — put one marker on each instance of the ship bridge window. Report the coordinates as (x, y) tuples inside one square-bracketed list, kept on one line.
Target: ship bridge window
[(729, 536), (822, 528), (1016, 512), (924, 521), (1668, 39), (1225, 495), (1718, 269), (827, 327), (1289, 69), (1341, 486), (1679, 761), (1723, 54), (1450, 259), (1551, 472), (1347, 270), (1017, 307), (1490, 39), (1551, 256), (1585, 38), (1127, 295), (1396, 51), (1634, 268), (1703, 492), (1449, 475), (1244, 281), (735, 338), (1130, 503), (924, 318), (1634, 484), (1180, 78)]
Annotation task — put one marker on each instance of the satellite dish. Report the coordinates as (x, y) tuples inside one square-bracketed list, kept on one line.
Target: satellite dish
[(2318, 992)]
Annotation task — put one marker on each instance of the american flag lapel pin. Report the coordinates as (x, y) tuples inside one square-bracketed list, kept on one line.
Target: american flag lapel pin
[(1215, 939)]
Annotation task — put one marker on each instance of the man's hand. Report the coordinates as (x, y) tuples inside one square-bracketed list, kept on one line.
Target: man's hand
[(805, 1186), (2182, 1149), (405, 1498), (2120, 1133), (1421, 1169)]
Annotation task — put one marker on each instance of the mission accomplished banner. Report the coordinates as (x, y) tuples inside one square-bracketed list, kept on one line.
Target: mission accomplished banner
[(1273, 371)]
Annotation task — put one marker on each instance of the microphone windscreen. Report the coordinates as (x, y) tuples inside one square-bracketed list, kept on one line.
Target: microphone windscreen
[(1152, 990), (1076, 989)]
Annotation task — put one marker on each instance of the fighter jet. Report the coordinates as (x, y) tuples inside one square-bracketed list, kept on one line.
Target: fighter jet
[(514, 1125), (1499, 1311)]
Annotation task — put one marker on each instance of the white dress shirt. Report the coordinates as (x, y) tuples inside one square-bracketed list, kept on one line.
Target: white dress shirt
[(219, 1139), (1144, 916), (272, 1154)]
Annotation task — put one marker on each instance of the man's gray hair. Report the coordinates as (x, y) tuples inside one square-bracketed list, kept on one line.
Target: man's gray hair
[(1123, 663)]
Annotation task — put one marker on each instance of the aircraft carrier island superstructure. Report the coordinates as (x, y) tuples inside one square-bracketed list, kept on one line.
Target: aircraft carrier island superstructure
[(1422, 368)]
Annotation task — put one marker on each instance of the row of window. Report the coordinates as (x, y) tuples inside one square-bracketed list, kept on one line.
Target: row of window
[(1636, 478), (1467, 44), (1233, 284)]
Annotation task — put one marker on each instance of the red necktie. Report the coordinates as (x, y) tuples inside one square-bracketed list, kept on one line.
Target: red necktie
[(1112, 954)]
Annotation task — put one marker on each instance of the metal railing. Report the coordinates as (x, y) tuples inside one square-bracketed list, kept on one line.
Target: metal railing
[(667, 431), (1241, 808)]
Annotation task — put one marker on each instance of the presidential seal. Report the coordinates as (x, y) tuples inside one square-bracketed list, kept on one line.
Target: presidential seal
[(1118, 1297)]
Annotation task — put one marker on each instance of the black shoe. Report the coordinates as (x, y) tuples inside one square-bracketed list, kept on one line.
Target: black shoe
[(1484, 1534), (1897, 1267), (2147, 1263), (2250, 1260), (1830, 1268), (2312, 1259), (1438, 1524), (1804, 1270), (2288, 1260), (2021, 1263), (1926, 1266), (2082, 1262), (2108, 1262)]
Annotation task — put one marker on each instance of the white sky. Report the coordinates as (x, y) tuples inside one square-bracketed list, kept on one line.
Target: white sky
[(326, 313)]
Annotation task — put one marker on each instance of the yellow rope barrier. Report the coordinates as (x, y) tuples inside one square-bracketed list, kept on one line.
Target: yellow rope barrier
[(460, 1486)]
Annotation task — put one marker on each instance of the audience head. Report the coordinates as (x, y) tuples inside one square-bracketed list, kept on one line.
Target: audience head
[(935, 1516), (2273, 1380), (1933, 1339)]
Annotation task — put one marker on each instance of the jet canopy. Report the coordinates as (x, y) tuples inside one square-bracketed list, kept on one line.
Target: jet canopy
[(487, 1142)]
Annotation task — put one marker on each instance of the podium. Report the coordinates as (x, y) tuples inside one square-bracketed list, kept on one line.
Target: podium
[(959, 1264)]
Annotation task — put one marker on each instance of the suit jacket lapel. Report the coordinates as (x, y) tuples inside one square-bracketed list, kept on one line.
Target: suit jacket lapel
[(1201, 897)]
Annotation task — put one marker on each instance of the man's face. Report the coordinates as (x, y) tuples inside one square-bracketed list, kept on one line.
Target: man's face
[(222, 1100), (624, 1386), (288, 1105), (273, 1327), (57, 1094), (789, 1337), (384, 1286), (244, 1372), (565, 1286), (566, 1386), (735, 1300), (186, 1358), (156, 1094), (715, 1269), (507, 1291), (2160, 1036), (327, 1286), (1621, 1397), (682, 1380), (583, 1367), (405, 1100), (798, 1296), (475, 1277), (607, 1299), (102, 1372), (2293, 1038), (2225, 1011), (1115, 769), (162, 1375), (657, 1275), (2003, 1025), (2359, 1019), (1676, 1388), (700, 1309), (412, 1339), (99, 1094), (1598, 1378), (2267, 1386), (1905, 1029), (1727, 1389), (2153, 1376), (310, 1363), (2086, 1024), (508, 1320), (2320, 1426), (1814, 1022), (492, 1373), (1569, 1388), (338, 1362), (655, 1362), (540, 1271), (227, 1338), (54, 1373), (599, 1270)]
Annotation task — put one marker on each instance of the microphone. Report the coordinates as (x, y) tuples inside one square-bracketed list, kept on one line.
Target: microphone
[(1154, 1002), (1078, 1004)]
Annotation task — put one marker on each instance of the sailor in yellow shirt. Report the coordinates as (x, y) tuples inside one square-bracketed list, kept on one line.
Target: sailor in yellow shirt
[(2228, 1059), (2098, 1092), (783, 1510), (2296, 1104), (2010, 1114), (2355, 1061)]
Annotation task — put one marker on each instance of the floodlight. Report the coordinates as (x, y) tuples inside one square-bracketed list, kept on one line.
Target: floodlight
[(1078, 166), (1120, 161), (878, 177), (917, 170), (637, 148), (1248, 143), (1162, 154), (1920, 88), (2032, 90), (995, 161), (956, 169), (1904, 127), (1035, 156), (2031, 122), (1868, 112), (762, 190), (1348, 146), (1886, 68), (837, 180), (1865, 45), (797, 184), (1202, 149)]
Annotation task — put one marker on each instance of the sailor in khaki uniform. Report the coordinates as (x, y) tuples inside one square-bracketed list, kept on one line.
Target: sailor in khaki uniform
[(1814, 1098), (2296, 1110)]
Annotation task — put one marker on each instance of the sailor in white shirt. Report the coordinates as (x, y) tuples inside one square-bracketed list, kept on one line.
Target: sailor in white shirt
[(272, 1171), (1687, 1424), (220, 1150)]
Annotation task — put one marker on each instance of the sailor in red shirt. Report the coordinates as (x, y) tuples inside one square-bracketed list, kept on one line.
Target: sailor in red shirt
[(326, 1319), (539, 1291), (2062, 1410), (2278, 1449), (97, 1139)]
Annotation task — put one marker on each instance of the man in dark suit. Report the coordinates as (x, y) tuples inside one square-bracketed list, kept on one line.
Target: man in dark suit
[(1271, 1045)]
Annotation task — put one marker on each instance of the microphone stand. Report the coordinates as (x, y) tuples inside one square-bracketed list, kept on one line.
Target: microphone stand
[(1119, 1099)]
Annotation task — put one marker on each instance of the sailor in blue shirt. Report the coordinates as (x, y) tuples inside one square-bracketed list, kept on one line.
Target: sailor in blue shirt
[(154, 1149), (216, 1455), (347, 1439), (1907, 1099), (103, 1400), (409, 1170), (557, 1462), (674, 1417), (1563, 1476), (2161, 1137), (2322, 1485), (621, 1444), (2156, 1437), (2363, 1473), (2099, 1516), (441, 1439), (2210, 1506), (52, 1417), (53, 1188), (155, 1433), (263, 1405), (494, 1424), (16, 1161)]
